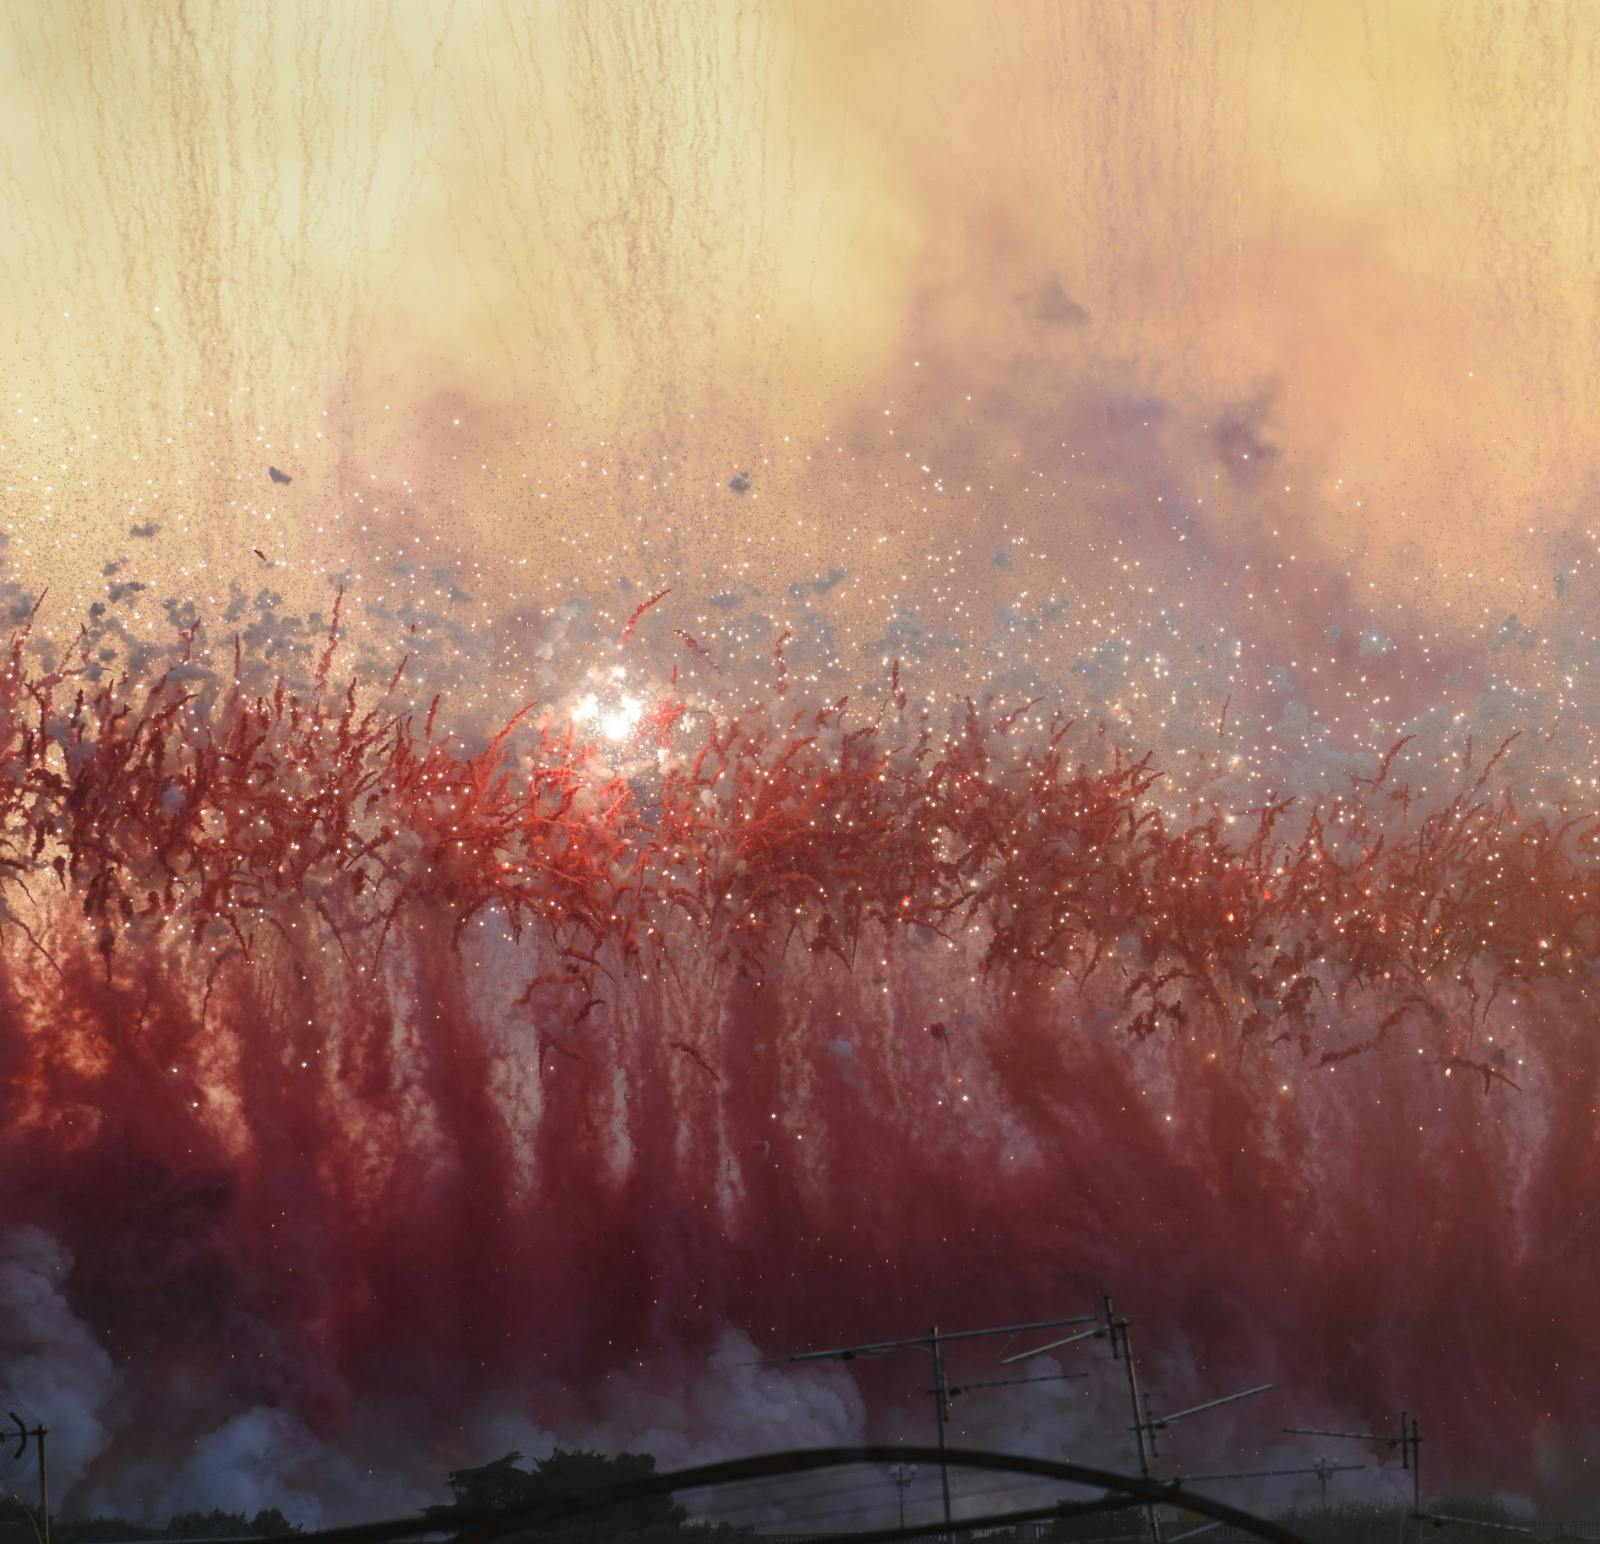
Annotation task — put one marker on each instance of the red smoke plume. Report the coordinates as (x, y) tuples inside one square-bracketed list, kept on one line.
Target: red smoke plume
[(360, 1070)]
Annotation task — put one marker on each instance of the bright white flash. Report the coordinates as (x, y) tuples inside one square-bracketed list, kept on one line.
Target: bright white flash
[(615, 713), (623, 719)]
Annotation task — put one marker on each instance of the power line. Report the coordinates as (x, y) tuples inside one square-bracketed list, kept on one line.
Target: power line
[(845, 1511)]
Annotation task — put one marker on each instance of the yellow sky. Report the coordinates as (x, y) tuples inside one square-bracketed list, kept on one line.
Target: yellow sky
[(690, 230)]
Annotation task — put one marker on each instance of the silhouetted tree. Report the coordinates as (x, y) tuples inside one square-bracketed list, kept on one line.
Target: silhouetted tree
[(269, 1523), (650, 1520), (100, 1530)]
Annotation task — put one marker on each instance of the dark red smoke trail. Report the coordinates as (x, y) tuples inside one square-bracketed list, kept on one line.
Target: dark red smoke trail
[(361, 1071)]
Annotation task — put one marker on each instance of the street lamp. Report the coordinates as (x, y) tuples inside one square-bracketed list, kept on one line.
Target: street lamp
[(903, 1475)]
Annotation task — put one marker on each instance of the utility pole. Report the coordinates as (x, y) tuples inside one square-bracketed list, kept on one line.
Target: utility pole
[(1145, 1425), (1144, 1432), (38, 1433), (1411, 1458), (941, 1406), (933, 1343)]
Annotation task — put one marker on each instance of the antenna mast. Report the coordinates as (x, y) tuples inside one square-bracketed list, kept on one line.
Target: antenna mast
[(1409, 1443), (942, 1391)]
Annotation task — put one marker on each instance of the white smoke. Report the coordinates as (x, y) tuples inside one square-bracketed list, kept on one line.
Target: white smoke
[(245, 1465), (683, 1411), (53, 1370), (730, 1405), (48, 1358), (257, 1460)]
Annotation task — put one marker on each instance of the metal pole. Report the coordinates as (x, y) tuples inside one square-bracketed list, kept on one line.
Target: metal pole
[(903, 1475), (44, 1485), (941, 1407), (873, 1348), (1416, 1474), (1121, 1346)]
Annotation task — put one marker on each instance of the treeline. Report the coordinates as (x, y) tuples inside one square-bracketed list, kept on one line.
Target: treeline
[(1450, 1520), (504, 1484), (1453, 1520), (496, 1486), (269, 1523)]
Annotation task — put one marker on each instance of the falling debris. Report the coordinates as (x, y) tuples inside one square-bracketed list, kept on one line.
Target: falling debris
[(740, 482), (260, 554), (639, 611), (277, 476), (697, 1058)]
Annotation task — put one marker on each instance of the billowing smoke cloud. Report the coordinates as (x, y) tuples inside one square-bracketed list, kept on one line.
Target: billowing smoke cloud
[(732, 1402), (681, 1407), (49, 1358), (256, 1460), (266, 1458)]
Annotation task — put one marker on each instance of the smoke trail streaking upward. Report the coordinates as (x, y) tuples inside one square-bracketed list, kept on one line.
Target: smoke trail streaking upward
[(361, 1070)]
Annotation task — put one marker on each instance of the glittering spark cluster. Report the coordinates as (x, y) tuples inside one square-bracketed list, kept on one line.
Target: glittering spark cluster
[(181, 806)]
